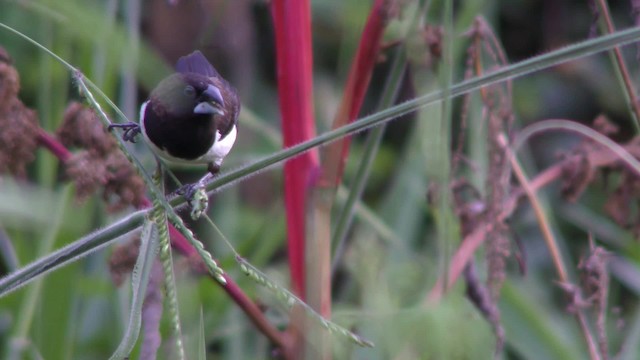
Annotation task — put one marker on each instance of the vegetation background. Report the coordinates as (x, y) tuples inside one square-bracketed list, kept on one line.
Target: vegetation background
[(557, 280)]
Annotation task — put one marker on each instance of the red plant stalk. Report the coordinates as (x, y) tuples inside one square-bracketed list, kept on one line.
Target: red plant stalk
[(292, 23), (335, 155), (183, 246)]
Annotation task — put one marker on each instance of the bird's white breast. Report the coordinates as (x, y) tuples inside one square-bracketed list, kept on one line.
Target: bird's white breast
[(221, 148)]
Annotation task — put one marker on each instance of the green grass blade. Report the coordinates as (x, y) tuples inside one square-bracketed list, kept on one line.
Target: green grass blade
[(537, 63), (72, 252), (202, 342), (139, 281)]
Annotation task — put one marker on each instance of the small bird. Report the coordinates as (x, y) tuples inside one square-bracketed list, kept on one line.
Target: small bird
[(191, 116)]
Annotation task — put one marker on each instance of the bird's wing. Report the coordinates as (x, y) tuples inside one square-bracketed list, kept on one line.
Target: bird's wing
[(196, 63)]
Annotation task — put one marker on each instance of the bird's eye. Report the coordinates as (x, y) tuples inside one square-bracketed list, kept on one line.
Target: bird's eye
[(189, 91)]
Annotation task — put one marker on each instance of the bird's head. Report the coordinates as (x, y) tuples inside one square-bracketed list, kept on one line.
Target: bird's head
[(188, 94)]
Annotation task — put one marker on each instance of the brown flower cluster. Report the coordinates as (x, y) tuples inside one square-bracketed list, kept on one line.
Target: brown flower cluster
[(100, 164), (18, 124)]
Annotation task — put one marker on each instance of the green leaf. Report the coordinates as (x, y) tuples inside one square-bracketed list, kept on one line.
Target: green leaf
[(139, 281)]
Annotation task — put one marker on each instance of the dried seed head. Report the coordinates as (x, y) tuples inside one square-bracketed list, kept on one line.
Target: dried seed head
[(101, 164), (594, 275), (9, 80), (88, 172), (82, 128), (19, 124), (124, 187)]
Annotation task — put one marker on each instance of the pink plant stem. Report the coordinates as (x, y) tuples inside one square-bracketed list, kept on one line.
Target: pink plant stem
[(53, 145), (358, 81), (292, 22)]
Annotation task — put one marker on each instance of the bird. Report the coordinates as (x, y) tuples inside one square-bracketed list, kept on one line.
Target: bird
[(191, 117)]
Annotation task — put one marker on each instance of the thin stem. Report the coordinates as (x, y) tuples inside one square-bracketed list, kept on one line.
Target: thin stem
[(537, 208), (525, 67), (550, 240), (372, 144), (621, 66), (371, 147)]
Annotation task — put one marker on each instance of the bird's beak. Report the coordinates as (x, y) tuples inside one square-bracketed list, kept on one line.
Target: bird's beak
[(211, 102)]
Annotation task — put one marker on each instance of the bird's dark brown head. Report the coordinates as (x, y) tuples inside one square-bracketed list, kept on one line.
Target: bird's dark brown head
[(197, 88), (188, 95), (196, 63)]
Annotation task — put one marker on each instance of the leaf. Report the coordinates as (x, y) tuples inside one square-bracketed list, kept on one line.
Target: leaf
[(139, 281)]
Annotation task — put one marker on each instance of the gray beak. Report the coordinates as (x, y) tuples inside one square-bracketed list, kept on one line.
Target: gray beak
[(211, 102)]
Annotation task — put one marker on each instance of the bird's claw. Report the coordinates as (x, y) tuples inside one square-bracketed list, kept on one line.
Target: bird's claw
[(196, 197), (187, 191), (130, 130)]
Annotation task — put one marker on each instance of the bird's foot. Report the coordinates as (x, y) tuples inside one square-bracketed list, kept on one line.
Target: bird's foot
[(187, 191), (131, 130), (196, 197)]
